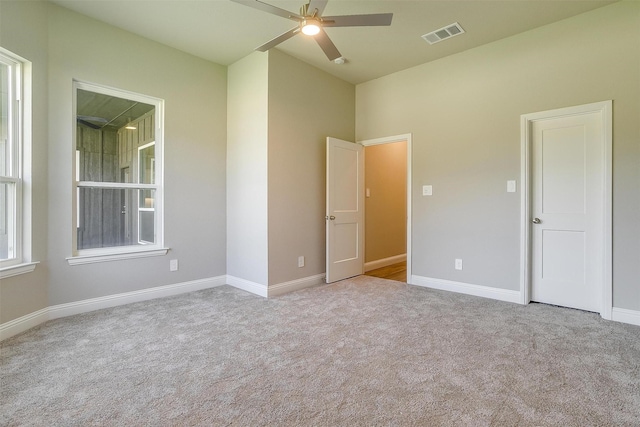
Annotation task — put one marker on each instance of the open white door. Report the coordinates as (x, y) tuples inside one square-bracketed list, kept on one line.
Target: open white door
[(345, 209)]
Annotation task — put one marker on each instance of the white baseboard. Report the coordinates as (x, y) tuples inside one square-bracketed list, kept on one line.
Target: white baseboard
[(30, 320), (21, 324), (625, 316), (468, 289), (69, 309), (295, 285), (277, 289), (372, 265), (247, 285)]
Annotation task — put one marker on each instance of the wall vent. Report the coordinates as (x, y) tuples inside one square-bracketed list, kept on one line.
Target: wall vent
[(443, 33)]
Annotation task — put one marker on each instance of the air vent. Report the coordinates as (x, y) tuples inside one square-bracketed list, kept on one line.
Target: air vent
[(443, 33)]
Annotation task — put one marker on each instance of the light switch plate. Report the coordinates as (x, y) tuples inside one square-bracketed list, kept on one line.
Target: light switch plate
[(427, 190), (511, 186)]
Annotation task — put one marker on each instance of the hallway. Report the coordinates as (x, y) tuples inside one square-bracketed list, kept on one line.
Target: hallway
[(397, 272)]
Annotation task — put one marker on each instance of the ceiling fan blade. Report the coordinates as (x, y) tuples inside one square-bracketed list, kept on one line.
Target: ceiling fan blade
[(257, 4), (317, 4), (327, 45), (372, 20), (276, 41)]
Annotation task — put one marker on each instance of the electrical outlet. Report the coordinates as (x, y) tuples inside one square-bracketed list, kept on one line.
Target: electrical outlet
[(427, 190), (300, 261), (173, 265), (458, 264)]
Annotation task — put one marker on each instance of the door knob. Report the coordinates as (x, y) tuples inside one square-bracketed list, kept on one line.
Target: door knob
[(330, 217), (536, 220)]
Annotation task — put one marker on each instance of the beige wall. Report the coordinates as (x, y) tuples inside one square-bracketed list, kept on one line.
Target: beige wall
[(194, 91), (247, 168), (23, 30), (305, 106), (385, 177), (64, 46), (275, 162), (464, 113)]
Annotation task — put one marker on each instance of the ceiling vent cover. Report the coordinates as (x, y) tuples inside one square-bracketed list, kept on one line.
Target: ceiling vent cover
[(443, 33)]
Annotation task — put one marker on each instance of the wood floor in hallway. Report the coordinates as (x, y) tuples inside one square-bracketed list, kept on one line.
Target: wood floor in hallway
[(397, 272)]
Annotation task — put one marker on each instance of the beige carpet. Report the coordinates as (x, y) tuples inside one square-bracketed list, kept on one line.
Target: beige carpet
[(364, 351)]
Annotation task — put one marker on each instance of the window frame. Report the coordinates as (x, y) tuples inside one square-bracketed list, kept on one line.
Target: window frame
[(19, 173), (85, 256)]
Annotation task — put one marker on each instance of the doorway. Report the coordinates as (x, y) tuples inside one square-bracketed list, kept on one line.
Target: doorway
[(567, 207), (387, 208)]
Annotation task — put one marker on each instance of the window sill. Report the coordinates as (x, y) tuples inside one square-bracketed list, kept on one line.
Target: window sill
[(103, 257), (17, 269)]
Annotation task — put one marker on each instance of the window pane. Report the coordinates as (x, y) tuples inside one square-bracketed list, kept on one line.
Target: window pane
[(147, 227), (111, 217), (97, 155), (5, 153), (147, 164), (7, 221), (147, 216), (109, 132), (147, 200)]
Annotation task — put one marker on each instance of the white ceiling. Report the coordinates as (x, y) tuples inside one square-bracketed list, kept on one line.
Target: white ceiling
[(224, 32)]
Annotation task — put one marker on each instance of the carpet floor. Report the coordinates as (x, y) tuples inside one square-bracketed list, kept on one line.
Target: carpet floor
[(364, 351)]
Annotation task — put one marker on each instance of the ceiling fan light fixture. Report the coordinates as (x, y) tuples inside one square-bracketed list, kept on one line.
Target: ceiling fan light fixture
[(310, 27)]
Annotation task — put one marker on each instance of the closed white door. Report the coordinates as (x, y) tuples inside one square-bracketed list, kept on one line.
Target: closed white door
[(345, 209), (567, 211)]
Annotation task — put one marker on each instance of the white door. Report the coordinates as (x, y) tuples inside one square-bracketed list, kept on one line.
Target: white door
[(568, 193), (345, 209)]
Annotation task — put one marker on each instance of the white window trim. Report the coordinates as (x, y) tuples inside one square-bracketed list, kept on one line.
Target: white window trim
[(16, 270), (22, 123), (115, 253), (143, 252)]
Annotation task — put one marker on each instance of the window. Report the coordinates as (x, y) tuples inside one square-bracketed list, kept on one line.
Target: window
[(118, 175), (14, 167)]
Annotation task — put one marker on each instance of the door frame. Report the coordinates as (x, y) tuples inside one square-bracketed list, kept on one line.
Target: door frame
[(605, 109), (388, 140)]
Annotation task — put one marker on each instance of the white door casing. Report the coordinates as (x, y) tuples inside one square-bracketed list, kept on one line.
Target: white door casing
[(345, 209), (566, 219)]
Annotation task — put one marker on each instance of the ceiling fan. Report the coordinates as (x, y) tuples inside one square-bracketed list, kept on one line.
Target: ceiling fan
[(311, 22)]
